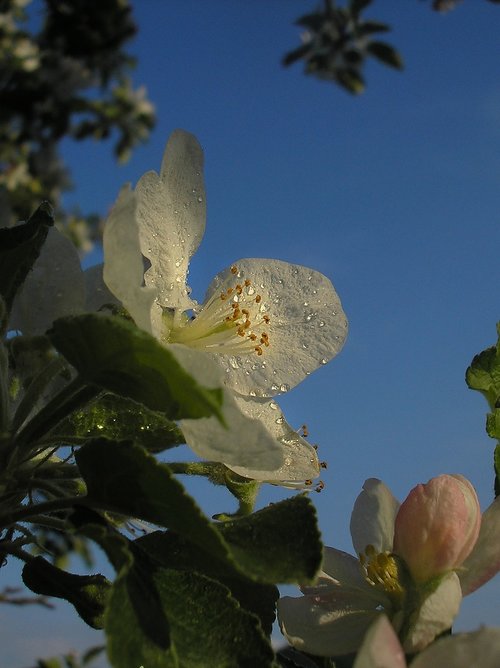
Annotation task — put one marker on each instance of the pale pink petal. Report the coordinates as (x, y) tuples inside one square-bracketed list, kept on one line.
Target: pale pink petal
[(484, 560), (437, 525), (381, 647)]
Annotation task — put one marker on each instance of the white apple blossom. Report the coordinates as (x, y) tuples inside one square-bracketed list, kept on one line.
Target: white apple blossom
[(265, 324), (382, 649), (415, 561)]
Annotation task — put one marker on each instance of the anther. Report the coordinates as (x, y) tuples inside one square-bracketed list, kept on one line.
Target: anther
[(258, 350), (234, 269), (323, 465), (258, 299)]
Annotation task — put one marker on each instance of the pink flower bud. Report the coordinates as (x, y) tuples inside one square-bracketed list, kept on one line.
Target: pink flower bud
[(437, 526)]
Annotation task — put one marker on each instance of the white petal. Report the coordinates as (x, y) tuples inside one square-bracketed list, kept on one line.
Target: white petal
[(307, 325), (96, 291), (373, 515), (381, 647), (484, 560), (300, 459), (54, 287), (123, 265), (479, 649), (345, 570), (435, 615), (245, 441), (312, 628), (171, 212)]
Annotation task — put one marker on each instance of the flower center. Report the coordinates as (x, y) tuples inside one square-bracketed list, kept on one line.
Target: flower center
[(384, 570), (231, 322)]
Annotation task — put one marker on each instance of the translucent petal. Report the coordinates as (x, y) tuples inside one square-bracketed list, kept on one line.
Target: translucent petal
[(245, 442), (464, 650), (171, 212), (312, 628), (123, 265), (307, 326), (96, 291), (381, 647), (345, 571), (484, 560), (300, 459), (54, 287), (373, 516), (436, 614)]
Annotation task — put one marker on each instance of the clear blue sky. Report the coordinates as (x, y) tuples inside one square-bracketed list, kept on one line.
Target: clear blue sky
[(394, 195)]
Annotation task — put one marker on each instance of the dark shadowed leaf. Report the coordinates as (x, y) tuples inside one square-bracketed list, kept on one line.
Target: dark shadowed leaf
[(87, 593), (20, 246)]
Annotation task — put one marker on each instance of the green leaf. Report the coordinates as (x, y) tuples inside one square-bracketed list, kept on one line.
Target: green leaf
[(87, 593), (118, 418), (484, 374), (114, 354), (496, 462), (385, 53), (20, 246), (280, 543), (174, 552), (206, 625), (127, 480), (493, 424)]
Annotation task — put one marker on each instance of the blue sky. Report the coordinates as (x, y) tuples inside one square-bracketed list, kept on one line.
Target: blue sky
[(394, 195)]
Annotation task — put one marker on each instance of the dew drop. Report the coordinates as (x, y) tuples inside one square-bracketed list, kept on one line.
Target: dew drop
[(200, 199), (305, 346), (273, 406), (233, 362), (306, 303), (280, 420), (284, 387), (274, 388), (323, 360), (252, 393), (321, 323), (251, 290)]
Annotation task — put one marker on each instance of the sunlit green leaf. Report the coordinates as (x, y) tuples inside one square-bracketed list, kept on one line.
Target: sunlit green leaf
[(118, 418)]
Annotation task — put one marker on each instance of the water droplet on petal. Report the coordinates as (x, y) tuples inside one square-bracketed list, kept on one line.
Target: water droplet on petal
[(284, 387), (274, 388), (321, 323), (233, 362), (251, 290), (273, 405), (252, 393), (324, 360), (280, 420)]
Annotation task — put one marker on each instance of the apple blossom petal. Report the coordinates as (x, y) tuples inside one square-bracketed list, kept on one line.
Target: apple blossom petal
[(373, 515), (300, 312), (54, 287), (96, 291), (245, 441), (171, 213), (345, 571), (312, 628), (464, 650), (123, 266), (381, 647), (437, 526), (435, 615), (300, 459), (484, 560)]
